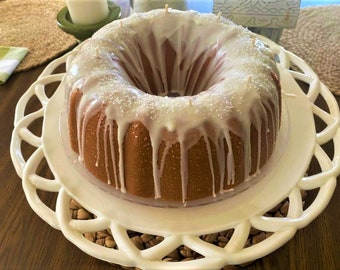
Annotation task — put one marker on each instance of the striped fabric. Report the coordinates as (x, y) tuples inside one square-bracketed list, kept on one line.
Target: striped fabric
[(10, 57)]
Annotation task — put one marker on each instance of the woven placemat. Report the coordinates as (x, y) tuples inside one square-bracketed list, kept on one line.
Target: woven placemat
[(316, 39), (32, 24)]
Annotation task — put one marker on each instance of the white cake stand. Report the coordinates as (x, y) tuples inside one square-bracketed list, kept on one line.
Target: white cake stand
[(184, 226)]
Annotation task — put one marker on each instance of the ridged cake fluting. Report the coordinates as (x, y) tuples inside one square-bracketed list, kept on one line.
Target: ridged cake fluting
[(173, 105)]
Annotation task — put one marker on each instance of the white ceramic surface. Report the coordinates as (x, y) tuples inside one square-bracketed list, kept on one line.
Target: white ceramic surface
[(183, 226)]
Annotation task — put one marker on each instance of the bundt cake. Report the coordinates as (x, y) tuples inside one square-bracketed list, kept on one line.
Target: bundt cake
[(174, 106)]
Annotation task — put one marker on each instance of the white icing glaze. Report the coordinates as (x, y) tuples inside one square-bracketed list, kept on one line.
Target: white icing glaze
[(220, 72)]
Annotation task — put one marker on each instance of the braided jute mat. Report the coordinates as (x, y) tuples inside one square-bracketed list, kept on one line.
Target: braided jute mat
[(33, 24), (316, 39)]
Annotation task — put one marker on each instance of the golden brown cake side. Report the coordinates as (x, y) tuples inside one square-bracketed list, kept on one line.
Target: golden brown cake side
[(138, 169)]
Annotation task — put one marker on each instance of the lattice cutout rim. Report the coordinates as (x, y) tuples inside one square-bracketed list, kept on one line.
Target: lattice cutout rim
[(214, 257)]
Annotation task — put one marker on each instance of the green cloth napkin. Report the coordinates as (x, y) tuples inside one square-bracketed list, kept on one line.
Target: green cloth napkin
[(10, 57)]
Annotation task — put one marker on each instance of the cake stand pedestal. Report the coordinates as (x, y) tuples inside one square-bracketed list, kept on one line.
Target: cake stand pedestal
[(185, 226)]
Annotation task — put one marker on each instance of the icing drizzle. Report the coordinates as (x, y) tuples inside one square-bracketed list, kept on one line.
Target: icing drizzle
[(175, 71)]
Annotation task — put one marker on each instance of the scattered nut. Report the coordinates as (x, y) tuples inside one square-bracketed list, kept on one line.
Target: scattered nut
[(138, 242), (74, 205), (258, 238), (210, 238), (100, 241), (253, 231), (284, 208), (102, 234), (147, 237), (90, 236), (109, 242), (83, 214), (183, 253)]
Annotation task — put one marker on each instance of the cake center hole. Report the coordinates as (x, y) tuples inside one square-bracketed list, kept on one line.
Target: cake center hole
[(170, 68)]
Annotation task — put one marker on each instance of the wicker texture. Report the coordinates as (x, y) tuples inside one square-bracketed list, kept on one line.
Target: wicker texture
[(32, 24), (316, 39)]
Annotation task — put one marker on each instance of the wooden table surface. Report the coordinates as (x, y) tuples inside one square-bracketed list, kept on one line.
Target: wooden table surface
[(27, 242)]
